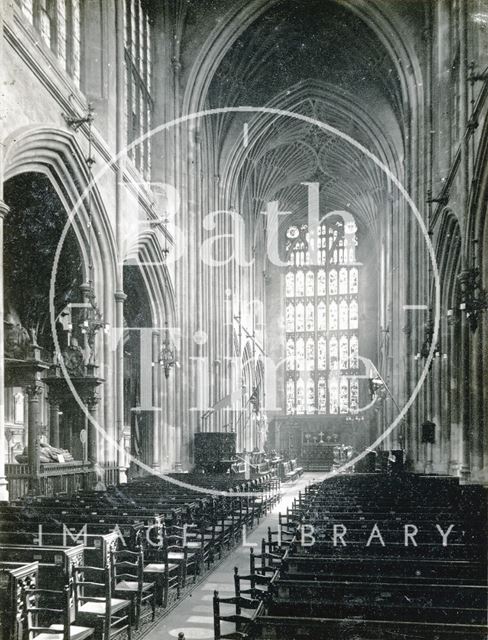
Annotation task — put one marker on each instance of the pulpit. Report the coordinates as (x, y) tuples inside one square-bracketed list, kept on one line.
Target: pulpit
[(214, 452)]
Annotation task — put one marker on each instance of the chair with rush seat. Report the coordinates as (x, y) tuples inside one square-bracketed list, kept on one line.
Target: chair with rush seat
[(41, 606)]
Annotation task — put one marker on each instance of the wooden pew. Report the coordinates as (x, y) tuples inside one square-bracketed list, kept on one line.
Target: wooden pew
[(59, 561), (126, 528), (407, 601), (97, 546), (264, 627), (290, 471), (312, 596), (422, 591), (15, 577), (402, 568)]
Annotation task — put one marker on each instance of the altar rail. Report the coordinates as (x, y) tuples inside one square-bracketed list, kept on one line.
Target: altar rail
[(56, 478)]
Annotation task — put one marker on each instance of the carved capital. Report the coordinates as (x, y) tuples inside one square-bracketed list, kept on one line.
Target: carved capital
[(54, 403), (34, 391), (91, 402)]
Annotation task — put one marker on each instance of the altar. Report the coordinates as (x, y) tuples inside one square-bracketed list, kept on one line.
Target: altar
[(317, 454), (320, 443)]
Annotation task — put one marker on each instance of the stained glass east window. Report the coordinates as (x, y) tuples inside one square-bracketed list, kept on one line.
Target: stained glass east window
[(322, 319)]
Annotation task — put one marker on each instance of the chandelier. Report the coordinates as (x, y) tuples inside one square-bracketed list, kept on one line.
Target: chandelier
[(167, 356)]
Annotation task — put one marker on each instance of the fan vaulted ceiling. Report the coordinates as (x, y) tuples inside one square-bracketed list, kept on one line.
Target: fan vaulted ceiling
[(317, 59)]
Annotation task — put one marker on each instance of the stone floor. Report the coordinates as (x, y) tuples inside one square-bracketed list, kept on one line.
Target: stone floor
[(193, 615)]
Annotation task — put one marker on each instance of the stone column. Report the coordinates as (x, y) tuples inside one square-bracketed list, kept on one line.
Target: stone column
[(169, 421), (465, 379), (182, 396), (33, 393), (3, 482), (119, 295), (54, 422), (464, 176), (92, 445), (454, 382), (156, 410), (119, 455), (67, 435), (476, 388)]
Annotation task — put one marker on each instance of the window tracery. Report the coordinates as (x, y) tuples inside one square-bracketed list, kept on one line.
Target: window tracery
[(322, 320), (138, 81), (58, 22)]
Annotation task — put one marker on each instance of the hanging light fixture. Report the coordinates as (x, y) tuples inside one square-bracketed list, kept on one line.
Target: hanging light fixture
[(426, 347), (165, 248), (427, 343), (92, 318), (473, 297), (161, 223), (167, 356)]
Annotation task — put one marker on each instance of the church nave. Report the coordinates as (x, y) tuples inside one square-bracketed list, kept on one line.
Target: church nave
[(243, 284)]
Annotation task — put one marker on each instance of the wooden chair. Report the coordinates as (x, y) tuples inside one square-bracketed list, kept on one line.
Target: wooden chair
[(200, 542), (41, 606), (128, 580), (110, 615), (177, 549), (217, 528), (166, 575), (206, 536), (228, 523), (243, 623), (255, 580)]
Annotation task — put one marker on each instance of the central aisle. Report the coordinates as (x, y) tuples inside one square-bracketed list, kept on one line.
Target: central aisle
[(194, 614)]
